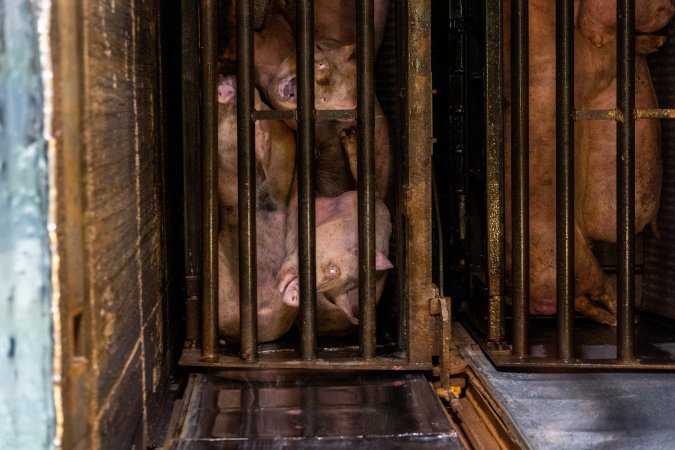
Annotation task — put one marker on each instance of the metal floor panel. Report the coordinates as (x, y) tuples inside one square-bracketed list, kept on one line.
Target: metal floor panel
[(582, 410), (268, 410)]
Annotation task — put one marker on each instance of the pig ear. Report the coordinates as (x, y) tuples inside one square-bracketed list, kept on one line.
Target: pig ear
[(381, 261), (227, 90), (347, 51)]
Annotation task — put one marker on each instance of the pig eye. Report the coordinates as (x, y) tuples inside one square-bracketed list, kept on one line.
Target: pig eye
[(323, 99), (333, 271), (322, 70)]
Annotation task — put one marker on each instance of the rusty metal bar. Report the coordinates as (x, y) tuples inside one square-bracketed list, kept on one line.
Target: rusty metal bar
[(599, 114), (655, 113), (625, 180), (306, 219), (273, 114), (209, 179), (336, 114), (494, 112), (248, 300), (366, 173), (192, 159), (615, 114), (520, 176), (565, 177), (322, 114)]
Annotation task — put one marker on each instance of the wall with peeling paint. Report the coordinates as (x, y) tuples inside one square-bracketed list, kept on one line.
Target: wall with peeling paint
[(26, 405)]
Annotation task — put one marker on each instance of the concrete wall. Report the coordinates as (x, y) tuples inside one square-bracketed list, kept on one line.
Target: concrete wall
[(26, 401)]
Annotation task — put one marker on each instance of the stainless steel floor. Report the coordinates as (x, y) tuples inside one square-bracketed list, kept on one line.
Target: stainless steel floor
[(583, 410), (268, 410)]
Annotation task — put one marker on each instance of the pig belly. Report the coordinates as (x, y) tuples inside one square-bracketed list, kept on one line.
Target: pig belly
[(596, 163), (274, 316)]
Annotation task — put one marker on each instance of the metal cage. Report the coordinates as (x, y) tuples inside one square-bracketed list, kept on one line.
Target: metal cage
[(417, 297), (507, 332)]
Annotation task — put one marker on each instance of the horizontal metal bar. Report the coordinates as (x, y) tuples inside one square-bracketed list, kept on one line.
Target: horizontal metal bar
[(599, 114), (655, 113), (578, 364), (288, 359), (291, 114), (273, 114), (336, 114), (615, 114)]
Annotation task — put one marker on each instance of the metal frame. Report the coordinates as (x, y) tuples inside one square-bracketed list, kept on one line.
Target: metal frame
[(414, 211), (625, 115)]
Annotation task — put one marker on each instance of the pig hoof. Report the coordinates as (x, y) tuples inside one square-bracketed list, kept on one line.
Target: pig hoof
[(348, 136), (593, 311), (648, 43)]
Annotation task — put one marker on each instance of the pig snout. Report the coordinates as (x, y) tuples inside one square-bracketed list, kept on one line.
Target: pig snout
[(283, 91), (286, 90), (287, 283), (227, 90)]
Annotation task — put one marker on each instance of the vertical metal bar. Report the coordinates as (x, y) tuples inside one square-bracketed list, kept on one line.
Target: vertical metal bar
[(191, 168), (520, 176), (494, 111), (306, 219), (625, 179), (366, 173), (402, 227), (565, 177), (248, 301), (209, 178)]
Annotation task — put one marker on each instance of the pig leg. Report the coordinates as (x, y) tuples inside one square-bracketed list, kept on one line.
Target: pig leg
[(598, 301), (332, 171), (646, 44), (383, 154), (349, 137)]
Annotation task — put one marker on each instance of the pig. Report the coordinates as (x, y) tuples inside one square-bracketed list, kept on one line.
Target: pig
[(336, 261), (595, 148), (335, 88), (275, 166)]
